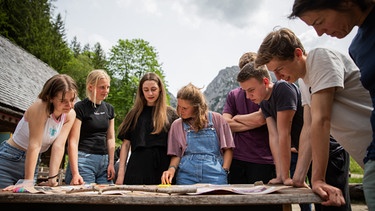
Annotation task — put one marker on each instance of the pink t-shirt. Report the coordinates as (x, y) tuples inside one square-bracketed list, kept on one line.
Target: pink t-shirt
[(177, 135)]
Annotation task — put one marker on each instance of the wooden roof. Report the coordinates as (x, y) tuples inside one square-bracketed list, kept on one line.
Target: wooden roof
[(22, 76)]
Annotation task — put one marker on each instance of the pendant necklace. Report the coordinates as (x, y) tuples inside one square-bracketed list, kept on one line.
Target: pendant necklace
[(96, 108)]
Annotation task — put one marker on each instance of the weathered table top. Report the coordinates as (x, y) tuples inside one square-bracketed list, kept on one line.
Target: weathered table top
[(285, 196)]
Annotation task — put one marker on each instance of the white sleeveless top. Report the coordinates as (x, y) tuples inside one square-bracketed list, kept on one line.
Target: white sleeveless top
[(52, 129)]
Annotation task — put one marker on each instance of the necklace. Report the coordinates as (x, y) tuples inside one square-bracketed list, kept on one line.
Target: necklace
[(96, 108), (190, 122), (56, 117)]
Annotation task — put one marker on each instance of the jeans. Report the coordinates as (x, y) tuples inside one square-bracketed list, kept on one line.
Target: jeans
[(12, 165), (293, 163), (92, 168), (369, 184)]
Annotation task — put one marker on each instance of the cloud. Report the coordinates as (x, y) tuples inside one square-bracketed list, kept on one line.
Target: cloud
[(235, 12), (194, 39)]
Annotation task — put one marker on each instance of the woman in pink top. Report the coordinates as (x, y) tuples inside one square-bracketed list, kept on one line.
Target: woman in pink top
[(200, 142)]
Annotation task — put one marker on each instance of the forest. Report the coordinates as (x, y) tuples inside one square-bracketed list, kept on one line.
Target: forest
[(32, 26)]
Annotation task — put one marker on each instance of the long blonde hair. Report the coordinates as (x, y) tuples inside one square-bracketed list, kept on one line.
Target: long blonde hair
[(92, 79)]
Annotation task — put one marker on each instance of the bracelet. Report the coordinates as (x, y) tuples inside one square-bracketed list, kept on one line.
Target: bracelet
[(53, 176), (226, 170), (175, 168)]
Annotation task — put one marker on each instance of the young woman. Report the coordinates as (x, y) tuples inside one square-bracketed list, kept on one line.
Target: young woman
[(337, 18), (144, 133), (91, 145), (200, 142), (45, 123)]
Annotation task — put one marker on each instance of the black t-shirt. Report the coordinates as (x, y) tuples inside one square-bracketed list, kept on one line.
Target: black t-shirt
[(94, 127), (141, 136), (285, 96)]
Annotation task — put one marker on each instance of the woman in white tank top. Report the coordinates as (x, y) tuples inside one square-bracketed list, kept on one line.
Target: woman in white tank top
[(45, 123)]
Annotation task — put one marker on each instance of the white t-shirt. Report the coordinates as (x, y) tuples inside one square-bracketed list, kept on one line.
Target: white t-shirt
[(350, 122)]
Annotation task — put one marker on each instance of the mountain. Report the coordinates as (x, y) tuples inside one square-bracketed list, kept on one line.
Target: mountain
[(216, 91), (172, 100)]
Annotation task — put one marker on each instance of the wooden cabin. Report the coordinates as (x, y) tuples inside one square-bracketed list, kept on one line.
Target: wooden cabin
[(22, 77)]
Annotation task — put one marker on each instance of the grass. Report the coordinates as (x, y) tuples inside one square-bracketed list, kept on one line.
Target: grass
[(355, 169)]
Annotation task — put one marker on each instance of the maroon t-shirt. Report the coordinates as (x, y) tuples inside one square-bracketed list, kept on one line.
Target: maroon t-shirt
[(252, 145)]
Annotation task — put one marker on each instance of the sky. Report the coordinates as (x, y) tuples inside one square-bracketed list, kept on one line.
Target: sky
[(194, 39)]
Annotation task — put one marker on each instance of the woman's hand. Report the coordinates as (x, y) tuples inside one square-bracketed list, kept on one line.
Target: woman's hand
[(77, 180), (20, 184), (168, 175), (275, 181)]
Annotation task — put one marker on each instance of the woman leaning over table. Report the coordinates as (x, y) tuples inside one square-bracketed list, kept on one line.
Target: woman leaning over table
[(200, 142), (46, 123)]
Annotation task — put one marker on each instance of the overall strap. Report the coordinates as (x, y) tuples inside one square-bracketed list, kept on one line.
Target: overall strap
[(210, 122), (185, 125)]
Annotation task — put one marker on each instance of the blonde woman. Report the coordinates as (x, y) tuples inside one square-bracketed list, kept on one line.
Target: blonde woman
[(91, 144)]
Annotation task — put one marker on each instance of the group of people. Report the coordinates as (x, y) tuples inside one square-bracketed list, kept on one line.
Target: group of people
[(87, 127), (340, 94), (320, 109), (51, 121)]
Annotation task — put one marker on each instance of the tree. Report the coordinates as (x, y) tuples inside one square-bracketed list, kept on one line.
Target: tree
[(29, 24), (128, 61), (75, 46), (58, 52), (78, 68), (99, 57)]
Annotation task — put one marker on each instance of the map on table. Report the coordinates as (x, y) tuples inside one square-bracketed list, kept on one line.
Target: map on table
[(238, 189), (196, 189)]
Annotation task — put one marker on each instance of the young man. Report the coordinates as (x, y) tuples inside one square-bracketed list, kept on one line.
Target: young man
[(280, 103), (252, 158), (337, 104), (338, 18)]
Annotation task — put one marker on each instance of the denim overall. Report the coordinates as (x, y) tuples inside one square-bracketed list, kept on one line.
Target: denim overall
[(202, 161)]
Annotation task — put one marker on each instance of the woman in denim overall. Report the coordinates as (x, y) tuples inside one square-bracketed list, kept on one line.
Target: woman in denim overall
[(200, 142), (202, 161)]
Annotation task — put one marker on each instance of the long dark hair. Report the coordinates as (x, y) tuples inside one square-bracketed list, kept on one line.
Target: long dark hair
[(160, 112)]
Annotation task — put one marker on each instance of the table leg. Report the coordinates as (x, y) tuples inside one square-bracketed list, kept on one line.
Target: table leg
[(287, 207)]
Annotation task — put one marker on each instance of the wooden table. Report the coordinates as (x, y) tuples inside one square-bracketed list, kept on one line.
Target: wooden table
[(280, 200)]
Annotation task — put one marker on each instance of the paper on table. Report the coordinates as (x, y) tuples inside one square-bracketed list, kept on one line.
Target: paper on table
[(259, 189)]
